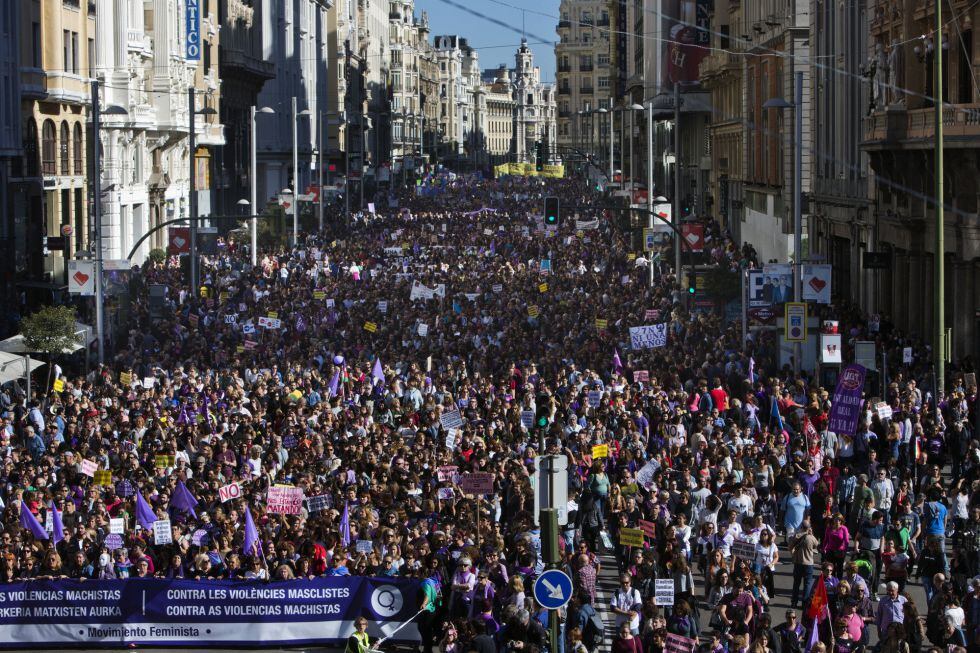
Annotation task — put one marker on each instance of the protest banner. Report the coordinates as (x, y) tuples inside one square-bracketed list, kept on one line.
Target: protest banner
[(364, 546), (601, 323), (202, 614), (284, 500), (678, 644), (533, 311), (270, 323), (649, 528), (370, 327), (446, 474), (423, 329), (319, 503), (744, 549), (117, 525), (664, 591), (162, 532), (847, 403), (89, 467), (58, 385), (648, 337), (641, 376), (600, 451), (542, 287), (594, 398), (229, 492), (103, 477), (451, 419), (476, 483), (527, 418), (630, 537)]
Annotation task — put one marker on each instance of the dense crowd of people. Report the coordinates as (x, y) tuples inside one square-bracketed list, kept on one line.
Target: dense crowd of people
[(374, 365)]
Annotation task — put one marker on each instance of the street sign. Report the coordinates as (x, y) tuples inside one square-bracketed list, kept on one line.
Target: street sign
[(795, 322), (557, 468), (553, 589)]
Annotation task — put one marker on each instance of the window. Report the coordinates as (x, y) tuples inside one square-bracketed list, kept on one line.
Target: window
[(48, 152), (603, 82), (66, 50), (78, 148), (91, 58), (206, 50), (75, 54), (63, 150), (603, 59)]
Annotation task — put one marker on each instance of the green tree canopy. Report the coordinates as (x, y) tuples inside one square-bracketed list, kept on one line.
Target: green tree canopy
[(50, 330)]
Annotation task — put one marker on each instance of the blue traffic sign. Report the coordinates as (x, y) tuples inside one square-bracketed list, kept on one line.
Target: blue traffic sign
[(553, 589)]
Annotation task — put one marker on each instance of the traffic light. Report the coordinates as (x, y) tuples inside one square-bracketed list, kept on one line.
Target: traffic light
[(691, 289), (539, 155), (552, 212)]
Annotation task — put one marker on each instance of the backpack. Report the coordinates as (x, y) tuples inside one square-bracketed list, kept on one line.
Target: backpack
[(594, 632)]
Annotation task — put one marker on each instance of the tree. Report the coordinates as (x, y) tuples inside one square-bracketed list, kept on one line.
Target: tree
[(51, 331), (722, 284), (157, 256)]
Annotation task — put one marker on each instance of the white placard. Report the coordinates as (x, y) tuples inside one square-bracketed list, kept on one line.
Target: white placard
[(383, 307), (162, 532), (117, 525), (423, 330), (81, 278), (89, 467), (816, 283), (451, 419), (648, 337), (229, 492), (830, 348), (664, 591), (270, 323), (907, 355), (527, 418)]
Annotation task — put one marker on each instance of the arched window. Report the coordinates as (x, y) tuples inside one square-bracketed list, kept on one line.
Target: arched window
[(31, 162), (64, 149), (79, 147), (48, 148)]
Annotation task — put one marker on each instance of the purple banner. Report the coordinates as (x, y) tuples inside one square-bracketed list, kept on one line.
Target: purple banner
[(846, 409)]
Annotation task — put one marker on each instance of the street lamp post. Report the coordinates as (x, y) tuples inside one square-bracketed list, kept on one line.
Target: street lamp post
[(780, 103), (254, 181), (296, 115), (193, 113), (612, 115), (97, 114), (633, 109)]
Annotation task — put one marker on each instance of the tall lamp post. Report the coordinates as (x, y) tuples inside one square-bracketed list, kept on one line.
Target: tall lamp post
[(254, 182), (97, 113), (296, 116), (666, 106), (192, 113), (780, 103), (633, 109)]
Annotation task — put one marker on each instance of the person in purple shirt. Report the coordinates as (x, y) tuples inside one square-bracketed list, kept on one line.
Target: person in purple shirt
[(809, 477)]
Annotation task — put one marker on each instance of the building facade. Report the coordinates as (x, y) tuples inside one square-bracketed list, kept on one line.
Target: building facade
[(899, 139), (409, 45), (535, 111), (584, 74), (56, 51), (11, 153)]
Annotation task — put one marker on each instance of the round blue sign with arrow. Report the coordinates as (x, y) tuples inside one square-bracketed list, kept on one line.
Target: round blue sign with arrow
[(553, 589)]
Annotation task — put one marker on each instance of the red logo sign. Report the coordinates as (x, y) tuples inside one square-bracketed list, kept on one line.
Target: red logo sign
[(693, 235), (180, 241)]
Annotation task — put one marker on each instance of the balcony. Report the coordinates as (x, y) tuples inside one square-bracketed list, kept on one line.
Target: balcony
[(564, 90), (603, 22), (564, 68), (585, 68), (564, 114), (586, 22), (74, 4), (586, 90), (245, 64), (394, 15), (564, 24), (914, 129), (91, 7)]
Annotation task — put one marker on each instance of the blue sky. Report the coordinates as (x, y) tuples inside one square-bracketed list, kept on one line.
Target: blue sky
[(446, 17)]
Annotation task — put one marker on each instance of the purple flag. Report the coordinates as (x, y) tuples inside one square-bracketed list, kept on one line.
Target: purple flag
[(617, 363), (30, 522), (58, 528), (183, 500), (377, 373), (252, 544), (814, 635), (144, 513), (345, 527), (751, 370), (334, 384), (847, 404)]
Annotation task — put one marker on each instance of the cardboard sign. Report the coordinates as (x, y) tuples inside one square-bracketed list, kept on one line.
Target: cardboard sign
[(370, 327), (103, 477), (126, 378), (543, 288), (162, 532), (117, 525), (477, 483), (884, 410), (451, 419), (527, 418), (600, 451), (641, 376), (447, 474), (446, 493), (664, 591), (423, 330), (283, 500), (907, 356), (229, 492), (533, 311), (744, 550), (383, 306), (364, 546), (270, 323), (970, 380), (630, 537), (58, 385), (601, 324), (319, 503), (648, 527), (595, 398), (89, 467), (163, 460), (113, 541), (678, 644)]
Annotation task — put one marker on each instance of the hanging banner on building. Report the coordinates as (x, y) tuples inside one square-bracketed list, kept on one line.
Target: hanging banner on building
[(847, 403), (200, 614), (81, 278), (193, 34)]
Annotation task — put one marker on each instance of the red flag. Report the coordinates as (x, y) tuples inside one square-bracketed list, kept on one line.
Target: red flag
[(819, 602)]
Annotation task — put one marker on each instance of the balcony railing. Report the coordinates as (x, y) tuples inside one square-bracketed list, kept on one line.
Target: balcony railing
[(564, 114), (587, 90), (72, 3), (564, 24), (564, 90), (603, 22), (564, 68), (585, 68)]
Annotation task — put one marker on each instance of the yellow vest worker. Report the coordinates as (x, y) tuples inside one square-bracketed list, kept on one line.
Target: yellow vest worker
[(359, 642)]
